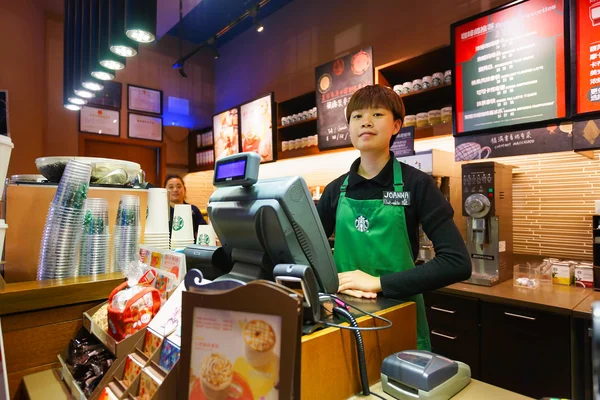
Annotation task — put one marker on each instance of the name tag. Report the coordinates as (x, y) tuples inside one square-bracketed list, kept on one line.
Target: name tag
[(396, 199)]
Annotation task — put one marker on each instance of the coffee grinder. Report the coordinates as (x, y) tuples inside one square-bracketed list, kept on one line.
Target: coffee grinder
[(487, 204)]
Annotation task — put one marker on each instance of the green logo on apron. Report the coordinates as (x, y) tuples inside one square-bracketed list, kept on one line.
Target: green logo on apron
[(361, 224), (177, 223)]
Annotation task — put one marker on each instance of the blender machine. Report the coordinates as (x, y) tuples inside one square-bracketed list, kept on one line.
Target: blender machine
[(487, 204)]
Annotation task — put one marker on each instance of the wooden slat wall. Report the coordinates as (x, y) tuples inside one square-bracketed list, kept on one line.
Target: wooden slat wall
[(553, 194)]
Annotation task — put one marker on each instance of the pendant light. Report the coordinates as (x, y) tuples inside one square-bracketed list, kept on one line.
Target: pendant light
[(140, 20), (96, 70), (119, 43), (68, 97), (79, 63), (107, 58), (89, 82)]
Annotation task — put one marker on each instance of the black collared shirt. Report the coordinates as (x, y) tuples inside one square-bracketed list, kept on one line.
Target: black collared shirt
[(428, 207)]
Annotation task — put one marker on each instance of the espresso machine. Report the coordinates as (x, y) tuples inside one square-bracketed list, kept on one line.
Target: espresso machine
[(487, 204)]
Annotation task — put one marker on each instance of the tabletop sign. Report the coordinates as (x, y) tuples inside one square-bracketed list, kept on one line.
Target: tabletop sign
[(509, 66), (336, 81), (588, 56), (549, 139), (404, 145)]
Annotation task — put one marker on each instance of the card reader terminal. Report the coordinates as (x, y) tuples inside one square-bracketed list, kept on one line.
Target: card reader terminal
[(418, 374)]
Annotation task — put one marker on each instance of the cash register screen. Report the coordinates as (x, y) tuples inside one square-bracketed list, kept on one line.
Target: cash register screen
[(416, 359), (234, 169)]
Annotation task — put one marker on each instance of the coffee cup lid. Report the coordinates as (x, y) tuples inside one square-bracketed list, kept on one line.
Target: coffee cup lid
[(6, 140)]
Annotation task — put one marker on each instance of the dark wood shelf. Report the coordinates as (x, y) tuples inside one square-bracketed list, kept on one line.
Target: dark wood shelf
[(201, 168), (424, 91), (211, 147), (296, 123), (307, 151), (433, 130)]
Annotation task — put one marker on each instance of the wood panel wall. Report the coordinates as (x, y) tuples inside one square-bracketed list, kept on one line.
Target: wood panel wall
[(553, 194)]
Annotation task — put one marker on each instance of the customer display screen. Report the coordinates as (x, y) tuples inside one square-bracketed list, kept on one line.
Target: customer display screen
[(510, 66), (588, 56), (235, 169)]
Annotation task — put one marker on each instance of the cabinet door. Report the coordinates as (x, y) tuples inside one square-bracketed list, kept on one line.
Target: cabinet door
[(525, 350), (454, 328)]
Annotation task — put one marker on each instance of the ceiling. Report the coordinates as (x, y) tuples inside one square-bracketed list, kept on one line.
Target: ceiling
[(209, 17)]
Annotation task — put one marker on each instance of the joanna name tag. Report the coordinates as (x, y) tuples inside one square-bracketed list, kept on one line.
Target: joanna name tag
[(396, 198)]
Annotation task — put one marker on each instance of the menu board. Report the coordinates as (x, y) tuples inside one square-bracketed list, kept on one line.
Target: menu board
[(225, 131), (510, 66), (404, 144), (588, 56), (336, 81), (256, 125)]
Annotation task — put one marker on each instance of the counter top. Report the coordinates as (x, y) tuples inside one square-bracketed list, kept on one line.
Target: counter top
[(554, 298), (34, 295), (584, 309), (475, 390)]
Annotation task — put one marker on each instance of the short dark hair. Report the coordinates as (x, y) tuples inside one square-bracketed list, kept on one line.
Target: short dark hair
[(377, 96), (173, 176)]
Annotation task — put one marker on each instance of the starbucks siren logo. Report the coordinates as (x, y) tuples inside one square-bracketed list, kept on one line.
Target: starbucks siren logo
[(361, 223), (177, 223), (203, 239)]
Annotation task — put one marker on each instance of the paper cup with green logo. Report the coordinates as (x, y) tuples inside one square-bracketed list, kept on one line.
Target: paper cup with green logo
[(206, 236), (182, 229)]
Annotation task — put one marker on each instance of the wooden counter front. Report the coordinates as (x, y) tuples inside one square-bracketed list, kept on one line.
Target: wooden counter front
[(553, 298), (329, 360), (584, 309), (39, 319)]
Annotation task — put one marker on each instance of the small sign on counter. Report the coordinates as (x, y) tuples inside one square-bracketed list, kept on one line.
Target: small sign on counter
[(404, 145)]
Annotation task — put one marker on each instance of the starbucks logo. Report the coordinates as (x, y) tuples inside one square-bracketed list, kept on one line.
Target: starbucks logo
[(203, 239), (361, 223), (177, 223)]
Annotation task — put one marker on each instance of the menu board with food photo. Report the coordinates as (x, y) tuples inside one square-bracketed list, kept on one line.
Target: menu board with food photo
[(234, 355), (588, 56), (226, 135), (257, 127), (336, 81), (509, 66)]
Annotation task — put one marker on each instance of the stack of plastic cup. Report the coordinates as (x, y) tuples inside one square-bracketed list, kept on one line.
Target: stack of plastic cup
[(95, 240), (126, 233), (6, 146), (156, 232), (182, 230), (64, 223)]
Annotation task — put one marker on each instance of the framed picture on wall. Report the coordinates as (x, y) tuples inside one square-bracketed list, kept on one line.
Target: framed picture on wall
[(99, 120), (256, 126), (109, 97), (226, 133), (146, 127), (4, 126), (144, 99)]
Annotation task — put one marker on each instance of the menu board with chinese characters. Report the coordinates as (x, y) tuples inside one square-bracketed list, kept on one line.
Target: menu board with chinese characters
[(336, 81), (510, 66), (588, 56), (404, 144)]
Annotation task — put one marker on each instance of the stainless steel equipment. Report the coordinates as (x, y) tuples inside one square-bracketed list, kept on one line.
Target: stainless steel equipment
[(446, 173), (487, 204)]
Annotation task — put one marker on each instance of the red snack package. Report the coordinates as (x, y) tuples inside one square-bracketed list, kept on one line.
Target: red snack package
[(136, 313)]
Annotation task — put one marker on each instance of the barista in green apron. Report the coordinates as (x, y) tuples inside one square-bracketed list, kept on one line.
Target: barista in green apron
[(385, 247), (375, 211)]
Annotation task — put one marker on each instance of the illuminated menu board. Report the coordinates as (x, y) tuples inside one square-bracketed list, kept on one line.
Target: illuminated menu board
[(510, 66), (588, 56)]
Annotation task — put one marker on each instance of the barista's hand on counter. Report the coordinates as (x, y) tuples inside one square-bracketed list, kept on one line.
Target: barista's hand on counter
[(359, 282)]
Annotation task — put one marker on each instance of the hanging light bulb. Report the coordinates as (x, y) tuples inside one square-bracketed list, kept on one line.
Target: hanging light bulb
[(96, 70), (68, 55), (72, 107), (78, 101), (103, 75), (140, 20), (81, 58), (107, 58), (86, 94), (92, 85), (118, 41)]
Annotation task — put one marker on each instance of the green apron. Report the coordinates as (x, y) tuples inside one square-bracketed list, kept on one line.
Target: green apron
[(373, 238)]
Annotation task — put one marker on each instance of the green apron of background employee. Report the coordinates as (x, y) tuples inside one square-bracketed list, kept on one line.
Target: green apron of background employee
[(373, 238)]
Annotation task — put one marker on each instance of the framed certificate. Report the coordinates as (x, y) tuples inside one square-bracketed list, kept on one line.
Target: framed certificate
[(144, 99), (145, 127), (100, 121)]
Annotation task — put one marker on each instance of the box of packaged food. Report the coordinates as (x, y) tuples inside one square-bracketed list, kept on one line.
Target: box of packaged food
[(584, 275), (562, 273)]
